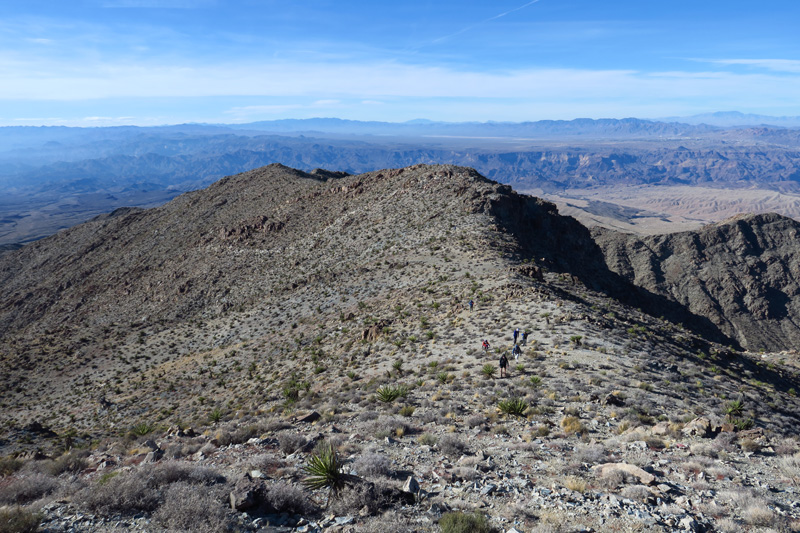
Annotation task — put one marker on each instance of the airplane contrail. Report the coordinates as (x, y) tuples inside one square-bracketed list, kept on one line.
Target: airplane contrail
[(459, 32)]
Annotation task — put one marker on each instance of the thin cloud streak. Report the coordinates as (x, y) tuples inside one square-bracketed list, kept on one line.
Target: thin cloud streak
[(478, 24)]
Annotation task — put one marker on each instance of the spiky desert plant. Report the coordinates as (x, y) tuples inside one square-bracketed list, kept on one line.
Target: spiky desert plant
[(488, 370), (143, 428), (734, 409), (215, 415), (324, 471), (389, 393), (513, 406)]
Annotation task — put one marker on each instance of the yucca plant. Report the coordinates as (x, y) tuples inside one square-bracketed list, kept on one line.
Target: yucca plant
[(324, 471), (215, 415), (143, 428), (389, 393), (513, 406), (488, 370), (734, 409)]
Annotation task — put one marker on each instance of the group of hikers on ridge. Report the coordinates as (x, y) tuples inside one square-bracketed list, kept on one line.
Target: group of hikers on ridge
[(520, 338)]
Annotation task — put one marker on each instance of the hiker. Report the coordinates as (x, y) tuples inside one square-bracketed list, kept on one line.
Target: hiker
[(471, 303), (485, 345), (524, 337), (516, 335), (516, 352), (503, 365)]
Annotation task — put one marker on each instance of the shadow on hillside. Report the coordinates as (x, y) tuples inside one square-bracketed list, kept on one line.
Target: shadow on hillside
[(564, 245)]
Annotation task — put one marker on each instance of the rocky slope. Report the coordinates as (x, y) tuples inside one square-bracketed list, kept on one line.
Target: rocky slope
[(742, 274), (239, 309)]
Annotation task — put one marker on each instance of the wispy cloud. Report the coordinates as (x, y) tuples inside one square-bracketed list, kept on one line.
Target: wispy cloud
[(775, 65), (482, 22)]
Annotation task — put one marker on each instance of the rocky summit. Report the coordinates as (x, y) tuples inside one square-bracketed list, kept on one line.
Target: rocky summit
[(292, 351)]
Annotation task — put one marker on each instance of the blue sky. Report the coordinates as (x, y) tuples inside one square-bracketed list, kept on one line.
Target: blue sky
[(108, 62)]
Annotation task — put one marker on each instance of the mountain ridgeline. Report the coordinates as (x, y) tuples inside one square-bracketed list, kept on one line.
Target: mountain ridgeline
[(260, 237)]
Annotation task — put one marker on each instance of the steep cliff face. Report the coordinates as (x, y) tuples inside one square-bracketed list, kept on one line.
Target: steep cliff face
[(742, 274)]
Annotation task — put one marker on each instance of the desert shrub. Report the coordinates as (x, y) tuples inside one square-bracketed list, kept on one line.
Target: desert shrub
[(464, 473), (725, 441), (452, 445), (19, 520), (359, 494), (288, 498), (385, 523), (72, 461), (458, 522), (367, 416), (390, 425), (589, 453), (189, 509), (127, 493), (637, 493), (758, 514), (750, 445), (611, 479), (290, 442), (790, 467), (372, 465), (476, 420), (426, 439), (274, 426), (142, 489), (489, 370), (407, 410), (9, 465), (27, 488), (173, 471)]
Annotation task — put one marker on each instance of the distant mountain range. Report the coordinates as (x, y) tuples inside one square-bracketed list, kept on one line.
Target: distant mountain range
[(54, 177)]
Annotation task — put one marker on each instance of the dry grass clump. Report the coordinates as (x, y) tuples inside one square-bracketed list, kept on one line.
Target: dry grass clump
[(27, 488), (186, 508), (575, 483), (572, 424)]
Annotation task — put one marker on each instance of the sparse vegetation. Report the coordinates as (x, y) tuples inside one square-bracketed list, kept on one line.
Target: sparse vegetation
[(513, 406)]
